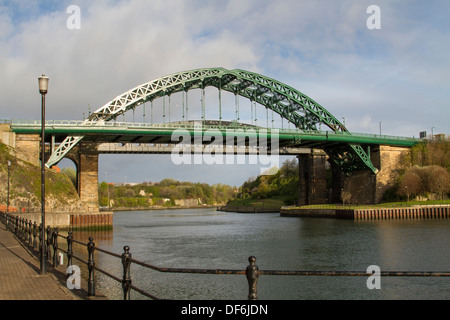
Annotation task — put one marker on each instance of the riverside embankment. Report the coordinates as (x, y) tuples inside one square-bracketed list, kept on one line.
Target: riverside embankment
[(371, 213)]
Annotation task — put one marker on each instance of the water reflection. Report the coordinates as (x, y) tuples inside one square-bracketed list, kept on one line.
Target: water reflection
[(216, 240)]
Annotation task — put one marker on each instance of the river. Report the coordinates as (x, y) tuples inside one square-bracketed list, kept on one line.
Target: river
[(204, 238)]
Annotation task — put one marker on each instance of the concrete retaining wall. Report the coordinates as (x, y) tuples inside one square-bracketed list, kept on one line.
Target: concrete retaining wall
[(66, 220)]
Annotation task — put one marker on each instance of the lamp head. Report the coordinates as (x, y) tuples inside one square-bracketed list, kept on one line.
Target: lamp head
[(43, 84)]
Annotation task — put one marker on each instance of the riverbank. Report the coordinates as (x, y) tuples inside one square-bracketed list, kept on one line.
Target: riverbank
[(157, 208), (248, 209), (371, 213)]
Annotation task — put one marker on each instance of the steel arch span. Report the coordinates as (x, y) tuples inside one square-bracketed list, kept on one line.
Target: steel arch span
[(289, 103)]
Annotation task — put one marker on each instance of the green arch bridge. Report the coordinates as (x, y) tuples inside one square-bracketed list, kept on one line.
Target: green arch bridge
[(348, 150)]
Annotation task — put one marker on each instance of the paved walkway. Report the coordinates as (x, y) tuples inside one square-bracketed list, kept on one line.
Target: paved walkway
[(20, 277)]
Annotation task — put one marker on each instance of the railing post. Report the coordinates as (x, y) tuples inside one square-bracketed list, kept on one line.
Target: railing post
[(49, 238), (55, 247), (20, 228), (126, 281), (252, 278), (90, 265), (34, 235), (69, 249), (40, 238), (30, 232), (21, 233), (25, 230)]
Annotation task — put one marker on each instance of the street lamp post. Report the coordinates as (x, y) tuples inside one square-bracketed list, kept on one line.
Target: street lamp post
[(43, 88), (7, 198)]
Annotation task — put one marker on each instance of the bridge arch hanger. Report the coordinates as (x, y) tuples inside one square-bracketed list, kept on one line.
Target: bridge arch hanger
[(302, 111)]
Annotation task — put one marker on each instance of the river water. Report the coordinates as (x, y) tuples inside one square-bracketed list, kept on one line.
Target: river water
[(208, 239)]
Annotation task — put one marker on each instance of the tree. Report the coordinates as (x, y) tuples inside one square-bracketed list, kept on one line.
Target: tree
[(410, 183), (440, 181)]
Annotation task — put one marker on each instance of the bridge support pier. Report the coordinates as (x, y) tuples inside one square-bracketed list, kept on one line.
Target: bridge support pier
[(362, 187), (312, 179), (367, 188), (88, 180), (85, 157)]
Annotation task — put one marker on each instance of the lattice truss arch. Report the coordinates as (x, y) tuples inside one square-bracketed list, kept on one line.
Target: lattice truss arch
[(289, 103)]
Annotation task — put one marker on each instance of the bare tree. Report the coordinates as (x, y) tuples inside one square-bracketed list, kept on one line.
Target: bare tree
[(440, 181), (410, 184)]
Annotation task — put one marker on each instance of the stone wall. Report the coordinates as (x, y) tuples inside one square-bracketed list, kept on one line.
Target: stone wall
[(390, 166), (88, 180), (364, 186), (28, 148)]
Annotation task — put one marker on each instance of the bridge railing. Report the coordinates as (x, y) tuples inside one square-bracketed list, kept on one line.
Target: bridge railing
[(232, 124), (29, 233)]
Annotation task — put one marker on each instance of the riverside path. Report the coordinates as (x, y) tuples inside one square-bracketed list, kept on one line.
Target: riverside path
[(20, 277)]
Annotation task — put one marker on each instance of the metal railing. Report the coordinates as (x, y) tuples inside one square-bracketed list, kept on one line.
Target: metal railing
[(190, 124), (28, 232)]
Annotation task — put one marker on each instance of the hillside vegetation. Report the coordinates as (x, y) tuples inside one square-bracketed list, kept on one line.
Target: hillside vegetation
[(426, 173), (25, 185), (281, 188), (168, 192)]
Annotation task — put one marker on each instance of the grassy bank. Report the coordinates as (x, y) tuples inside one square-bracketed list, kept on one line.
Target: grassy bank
[(379, 205), (278, 202), (275, 202)]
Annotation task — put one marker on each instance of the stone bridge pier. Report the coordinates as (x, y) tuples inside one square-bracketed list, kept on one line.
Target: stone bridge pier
[(363, 187), (85, 158), (312, 178)]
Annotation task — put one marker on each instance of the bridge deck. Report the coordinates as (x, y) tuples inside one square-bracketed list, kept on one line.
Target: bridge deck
[(125, 132)]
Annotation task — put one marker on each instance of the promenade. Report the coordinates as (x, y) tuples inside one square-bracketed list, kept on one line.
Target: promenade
[(20, 277)]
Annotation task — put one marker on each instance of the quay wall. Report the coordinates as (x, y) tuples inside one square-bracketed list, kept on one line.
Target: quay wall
[(428, 212), (414, 212), (69, 220), (248, 209)]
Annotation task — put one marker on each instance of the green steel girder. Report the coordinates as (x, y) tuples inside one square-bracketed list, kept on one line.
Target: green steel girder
[(289, 103)]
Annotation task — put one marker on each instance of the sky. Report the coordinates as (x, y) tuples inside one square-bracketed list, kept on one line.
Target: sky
[(395, 78)]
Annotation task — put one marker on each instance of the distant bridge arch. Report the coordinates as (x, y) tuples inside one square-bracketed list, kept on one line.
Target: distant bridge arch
[(289, 103)]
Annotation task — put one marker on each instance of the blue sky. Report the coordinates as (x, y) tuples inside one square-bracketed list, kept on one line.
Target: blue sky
[(399, 74)]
